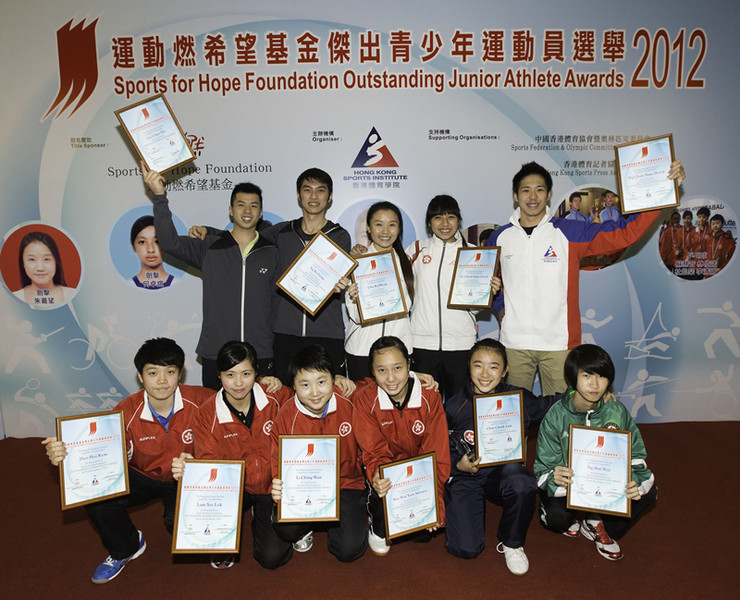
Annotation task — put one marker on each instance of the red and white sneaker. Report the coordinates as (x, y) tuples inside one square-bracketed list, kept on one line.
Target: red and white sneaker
[(574, 530), (594, 531)]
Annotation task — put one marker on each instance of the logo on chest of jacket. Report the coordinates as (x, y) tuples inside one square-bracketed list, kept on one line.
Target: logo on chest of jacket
[(469, 436), (417, 427), (345, 429), (267, 427), (426, 259), (550, 256), (611, 426), (263, 270), (187, 436)]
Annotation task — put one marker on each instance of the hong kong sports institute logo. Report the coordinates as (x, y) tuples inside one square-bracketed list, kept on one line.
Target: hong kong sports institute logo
[(374, 153), (78, 66)]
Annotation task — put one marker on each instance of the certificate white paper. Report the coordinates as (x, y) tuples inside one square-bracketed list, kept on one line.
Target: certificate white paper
[(380, 295), (601, 461), (209, 507), (471, 279), (310, 280), (412, 502), (95, 467), (499, 428), (153, 129), (309, 469), (642, 173)]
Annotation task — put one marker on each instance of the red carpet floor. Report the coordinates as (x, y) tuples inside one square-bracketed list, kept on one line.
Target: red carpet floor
[(685, 547)]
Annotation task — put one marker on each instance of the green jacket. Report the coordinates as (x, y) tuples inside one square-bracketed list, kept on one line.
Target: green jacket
[(553, 441)]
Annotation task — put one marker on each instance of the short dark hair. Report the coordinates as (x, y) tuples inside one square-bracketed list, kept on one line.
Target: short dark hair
[(442, 204), (493, 346), (311, 358), (717, 217), (687, 213), (48, 241), (234, 352), (532, 168), (315, 174), (385, 343), (140, 224), (590, 359), (162, 352), (703, 211), (574, 195), (245, 187)]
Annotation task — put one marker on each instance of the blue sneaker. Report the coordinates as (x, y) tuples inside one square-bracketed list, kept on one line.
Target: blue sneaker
[(111, 567)]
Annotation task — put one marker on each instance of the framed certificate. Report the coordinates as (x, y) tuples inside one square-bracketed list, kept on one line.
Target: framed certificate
[(601, 460), (310, 280), (155, 133), (380, 294), (208, 515), (96, 466), (471, 279), (309, 469), (499, 428), (642, 174), (412, 503)]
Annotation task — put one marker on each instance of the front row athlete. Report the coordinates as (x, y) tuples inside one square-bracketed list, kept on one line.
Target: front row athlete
[(589, 372), (158, 421), (470, 485)]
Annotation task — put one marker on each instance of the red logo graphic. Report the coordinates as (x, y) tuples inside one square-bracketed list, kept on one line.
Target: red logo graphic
[(644, 151), (373, 264), (600, 442), (187, 436), (499, 404), (309, 451), (417, 427), (477, 256), (332, 256), (426, 259), (78, 66), (409, 471), (214, 474), (345, 429), (469, 436), (145, 112), (267, 428), (93, 428), (374, 153)]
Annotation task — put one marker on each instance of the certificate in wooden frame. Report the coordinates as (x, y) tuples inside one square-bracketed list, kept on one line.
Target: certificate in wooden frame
[(293, 281), (96, 432), (373, 258), (155, 115), (211, 488), (304, 454), (594, 460), (478, 260), (642, 174), (407, 467), (500, 411)]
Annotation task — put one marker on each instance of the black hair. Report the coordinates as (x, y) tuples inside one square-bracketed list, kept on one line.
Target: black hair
[(575, 195), (687, 213), (532, 168), (311, 358), (162, 352), (493, 346), (140, 224), (717, 217), (484, 235), (245, 188), (48, 241), (315, 174), (385, 343), (234, 352), (590, 359), (442, 204), (406, 269), (703, 211)]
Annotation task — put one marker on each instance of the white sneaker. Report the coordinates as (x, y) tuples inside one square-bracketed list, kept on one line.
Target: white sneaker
[(594, 530), (305, 543), (574, 530), (516, 560), (378, 545)]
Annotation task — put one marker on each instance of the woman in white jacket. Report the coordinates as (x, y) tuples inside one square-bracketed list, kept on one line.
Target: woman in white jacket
[(442, 336), (385, 230)]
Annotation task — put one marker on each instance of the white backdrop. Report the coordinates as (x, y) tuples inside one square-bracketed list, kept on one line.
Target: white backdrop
[(454, 96)]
